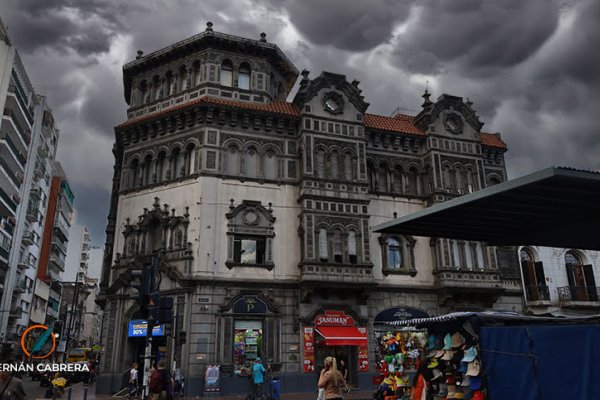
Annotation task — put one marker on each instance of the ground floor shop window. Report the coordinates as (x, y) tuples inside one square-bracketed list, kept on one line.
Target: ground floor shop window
[(247, 345)]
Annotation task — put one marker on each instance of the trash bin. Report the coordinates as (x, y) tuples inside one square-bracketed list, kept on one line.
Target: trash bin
[(275, 388)]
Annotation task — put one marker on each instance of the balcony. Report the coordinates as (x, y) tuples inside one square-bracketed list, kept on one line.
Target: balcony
[(579, 296), (39, 171), (52, 312), (57, 243), (15, 312), (33, 213), (459, 287), (26, 261), (337, 274), (21, 286), (61, 229), (57, 262), (28, 238), (539, 293), (43, 151), (36, 193)]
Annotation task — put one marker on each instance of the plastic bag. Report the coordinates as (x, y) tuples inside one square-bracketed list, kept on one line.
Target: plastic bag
[(321, 395)]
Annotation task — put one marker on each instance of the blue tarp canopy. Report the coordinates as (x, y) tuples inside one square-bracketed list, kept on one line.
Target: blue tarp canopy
[(530, 358)]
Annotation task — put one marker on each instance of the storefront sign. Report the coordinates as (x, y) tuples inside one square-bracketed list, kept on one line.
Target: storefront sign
[(399, 314), (249, 305), (139, 328), (308, 340), (334, 318)]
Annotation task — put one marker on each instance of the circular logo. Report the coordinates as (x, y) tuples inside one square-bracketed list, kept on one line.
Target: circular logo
[(38, 340)]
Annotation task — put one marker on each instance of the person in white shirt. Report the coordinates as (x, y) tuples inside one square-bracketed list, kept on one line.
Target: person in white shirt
[(133, 380)]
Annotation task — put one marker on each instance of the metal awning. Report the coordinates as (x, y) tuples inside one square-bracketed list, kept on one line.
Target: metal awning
[(554, 207)]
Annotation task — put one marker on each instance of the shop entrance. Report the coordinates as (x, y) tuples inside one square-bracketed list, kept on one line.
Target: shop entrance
[(347, 353)]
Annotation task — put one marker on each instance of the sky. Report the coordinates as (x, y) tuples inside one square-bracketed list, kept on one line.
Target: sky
[(531, 68)]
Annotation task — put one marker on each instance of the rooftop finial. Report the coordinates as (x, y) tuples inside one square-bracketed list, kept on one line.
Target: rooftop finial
[(263, 37), (469, 102), (140, 54), (209, 26), (426, 102), (305, 73)]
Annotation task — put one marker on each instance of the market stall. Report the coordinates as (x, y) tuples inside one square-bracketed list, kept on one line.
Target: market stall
[(499, 355)]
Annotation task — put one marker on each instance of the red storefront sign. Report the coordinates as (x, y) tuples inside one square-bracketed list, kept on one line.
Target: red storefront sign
[(334, 318)]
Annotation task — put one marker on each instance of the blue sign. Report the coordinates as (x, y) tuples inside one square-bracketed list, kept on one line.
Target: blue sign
[(139, 328)]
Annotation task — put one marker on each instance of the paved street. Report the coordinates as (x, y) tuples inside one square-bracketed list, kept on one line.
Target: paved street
[(35, 391)]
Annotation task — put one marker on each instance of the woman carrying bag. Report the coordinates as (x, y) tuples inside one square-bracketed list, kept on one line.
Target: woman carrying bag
[(331, 381)]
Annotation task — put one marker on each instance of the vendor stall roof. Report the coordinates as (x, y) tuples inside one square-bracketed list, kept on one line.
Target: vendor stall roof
[(495, 318), (554, 207)]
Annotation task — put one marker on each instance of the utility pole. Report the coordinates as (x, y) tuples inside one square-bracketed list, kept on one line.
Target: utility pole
[(149, 307)]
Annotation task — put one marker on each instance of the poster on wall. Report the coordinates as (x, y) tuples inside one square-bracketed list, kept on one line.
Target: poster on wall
[(363, 354), (211, 379), (309, 349)]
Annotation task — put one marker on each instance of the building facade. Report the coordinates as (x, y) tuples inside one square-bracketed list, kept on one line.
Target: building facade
[(560, 282), (260, 213)]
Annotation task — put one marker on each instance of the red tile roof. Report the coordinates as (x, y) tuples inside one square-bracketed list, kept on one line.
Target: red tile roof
[(400, 123), (277, 107), (491, 140)]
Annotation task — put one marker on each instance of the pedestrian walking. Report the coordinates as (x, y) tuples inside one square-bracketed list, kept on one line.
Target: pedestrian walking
[(331, 381)]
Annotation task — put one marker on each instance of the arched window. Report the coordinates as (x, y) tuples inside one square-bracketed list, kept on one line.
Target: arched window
[(582, 284), (178, 164), (270, 166), (492, 180), (534, 278), (371, 173), (244, 76), (156, 88), (447, 178), (251, 162), (226, 73), (397, 180), (320, 163), (348, 167), (337, 246), (382, 179), (394, 254), (352, 257), (413, 183), (334, 165), (147, 173), (133, 174), (161, 167), (323, 251), (232, 163), (155, 236), (458, 179)]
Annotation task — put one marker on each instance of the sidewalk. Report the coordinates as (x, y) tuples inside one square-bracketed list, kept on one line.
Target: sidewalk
[(285, 396)]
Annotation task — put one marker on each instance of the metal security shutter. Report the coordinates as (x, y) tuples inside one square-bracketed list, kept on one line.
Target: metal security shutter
[(272, 333), (227, 341)]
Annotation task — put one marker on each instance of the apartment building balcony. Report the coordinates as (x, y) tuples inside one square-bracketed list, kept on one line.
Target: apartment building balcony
[(58, 244), (7, 205), (33, 213), (57, 262), (19, 103), (26, 261), (29, 238), (579, 296), (52, 312), (39, 171), (15, 312), (43, 150), (9, 150), (20, 286), (61, 229), (36, 193)]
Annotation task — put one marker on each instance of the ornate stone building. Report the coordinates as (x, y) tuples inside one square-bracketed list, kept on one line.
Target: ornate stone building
[(260, 211)]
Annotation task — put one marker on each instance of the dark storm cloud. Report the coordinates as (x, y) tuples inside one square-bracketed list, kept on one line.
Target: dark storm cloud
[(531, 67), (347, 25), (83, 26), (475, 36)]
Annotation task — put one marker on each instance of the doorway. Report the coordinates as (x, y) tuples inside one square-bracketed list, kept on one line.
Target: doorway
[(349, 354)]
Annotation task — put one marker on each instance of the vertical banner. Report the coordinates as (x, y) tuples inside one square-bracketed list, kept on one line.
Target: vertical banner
[(211, 379), (363, 354), (309, 349)]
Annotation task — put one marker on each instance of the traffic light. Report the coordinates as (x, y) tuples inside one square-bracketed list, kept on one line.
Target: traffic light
[(57, 330), (165, 311), (152, 304)]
